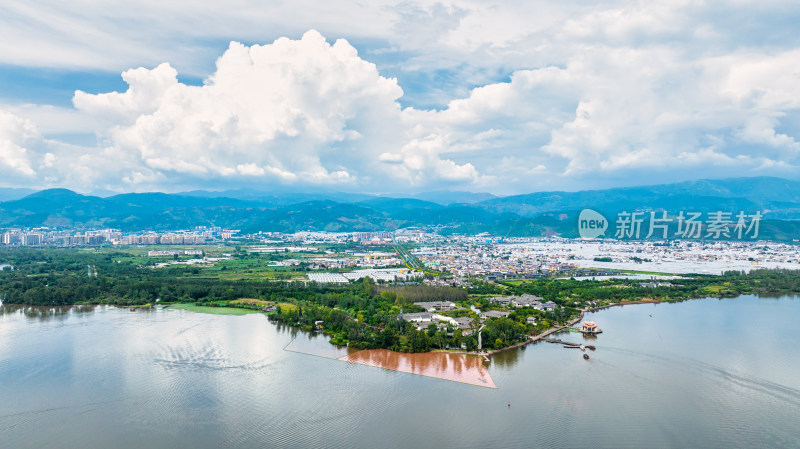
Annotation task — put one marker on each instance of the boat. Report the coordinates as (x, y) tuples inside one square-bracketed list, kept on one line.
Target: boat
[(591, 347), (133, 309), (586, 357), (583, 348)]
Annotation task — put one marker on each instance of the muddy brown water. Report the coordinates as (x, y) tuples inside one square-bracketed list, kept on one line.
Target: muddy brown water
[(468, 369)]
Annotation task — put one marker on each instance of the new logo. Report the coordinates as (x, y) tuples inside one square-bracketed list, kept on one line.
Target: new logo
[(591, 224)]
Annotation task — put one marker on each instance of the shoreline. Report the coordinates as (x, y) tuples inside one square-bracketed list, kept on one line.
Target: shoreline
[(485, 354), (580, 317), (536, 338), (624, 303), (665, 301)]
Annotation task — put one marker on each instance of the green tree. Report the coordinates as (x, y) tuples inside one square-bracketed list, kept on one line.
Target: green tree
[(471, 343), (458, 338), (432, 329)]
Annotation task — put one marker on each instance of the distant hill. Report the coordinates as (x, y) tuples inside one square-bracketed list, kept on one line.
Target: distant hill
[(535, 214), (278, 198), (447, 197), (780, 197), (399, 205), (11, 194)]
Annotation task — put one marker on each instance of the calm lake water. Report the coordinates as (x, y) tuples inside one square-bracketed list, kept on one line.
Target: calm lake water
[(705, 373)]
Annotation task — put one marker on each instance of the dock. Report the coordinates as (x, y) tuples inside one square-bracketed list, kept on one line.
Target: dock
[(542, 336), (567, 344)]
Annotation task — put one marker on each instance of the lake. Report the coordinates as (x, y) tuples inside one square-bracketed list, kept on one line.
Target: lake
[(704, 373)]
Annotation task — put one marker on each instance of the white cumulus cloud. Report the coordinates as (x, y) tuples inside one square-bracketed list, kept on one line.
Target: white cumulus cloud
[(531, 96), (291, 111), (15, 135)]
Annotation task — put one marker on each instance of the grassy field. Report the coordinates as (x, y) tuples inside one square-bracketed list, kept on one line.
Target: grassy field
[(715, 289), (514, 283), (137, 255), (287, 306), (251, 269), (213, 310)]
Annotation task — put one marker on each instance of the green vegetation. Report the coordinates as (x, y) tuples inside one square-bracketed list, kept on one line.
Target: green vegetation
[(213, 310), (588, 293), (362, 314)]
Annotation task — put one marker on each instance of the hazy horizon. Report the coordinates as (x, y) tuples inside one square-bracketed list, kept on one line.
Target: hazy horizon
[(288, 190)]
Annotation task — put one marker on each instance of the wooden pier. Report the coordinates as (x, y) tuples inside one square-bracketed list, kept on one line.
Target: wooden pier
[(542, 336), (567, 344)]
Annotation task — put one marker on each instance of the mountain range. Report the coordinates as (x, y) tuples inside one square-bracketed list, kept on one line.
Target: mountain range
[(535, 214)]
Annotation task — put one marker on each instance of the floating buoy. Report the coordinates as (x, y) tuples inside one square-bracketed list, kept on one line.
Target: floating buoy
[(509, 403)]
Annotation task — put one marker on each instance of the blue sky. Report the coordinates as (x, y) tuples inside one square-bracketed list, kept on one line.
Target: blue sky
[(393, 97)]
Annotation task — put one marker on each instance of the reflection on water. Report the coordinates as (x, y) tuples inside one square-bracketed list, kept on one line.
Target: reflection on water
[(84, 309), (706, 373), (456, 367), (314, 343), (509, 358), (447, 366), (45, 313)]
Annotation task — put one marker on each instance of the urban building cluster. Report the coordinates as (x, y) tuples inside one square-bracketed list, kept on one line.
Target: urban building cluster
[(410, 235), (460, 258), (203, 234), (491, 259), (68, 238), (478, 257), (18, 238)]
